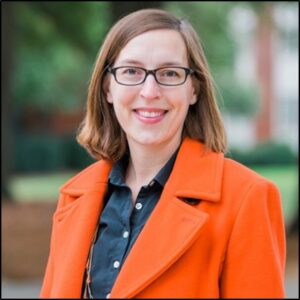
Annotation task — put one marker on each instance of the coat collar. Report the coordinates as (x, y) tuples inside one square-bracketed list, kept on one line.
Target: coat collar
[(197, 172), (202, 167), (88, 179)]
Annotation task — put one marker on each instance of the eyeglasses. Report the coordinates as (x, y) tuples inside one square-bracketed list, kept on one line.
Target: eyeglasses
[(170, 76)]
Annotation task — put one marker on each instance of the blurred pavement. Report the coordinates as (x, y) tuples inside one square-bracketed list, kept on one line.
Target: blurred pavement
[(20, 289)]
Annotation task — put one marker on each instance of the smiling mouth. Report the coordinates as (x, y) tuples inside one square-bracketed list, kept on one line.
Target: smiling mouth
[(150, 113), (150, 116)]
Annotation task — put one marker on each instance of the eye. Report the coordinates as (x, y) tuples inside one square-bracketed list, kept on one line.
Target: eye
[(169, 73), (131, 71)]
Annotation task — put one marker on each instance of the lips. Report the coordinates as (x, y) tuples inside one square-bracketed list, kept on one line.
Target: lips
[(150, 115)]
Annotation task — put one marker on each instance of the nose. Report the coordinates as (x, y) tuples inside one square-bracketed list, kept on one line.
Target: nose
[(150, 88)]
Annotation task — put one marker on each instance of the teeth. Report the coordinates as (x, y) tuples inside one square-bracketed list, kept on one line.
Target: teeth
[(149, 114)]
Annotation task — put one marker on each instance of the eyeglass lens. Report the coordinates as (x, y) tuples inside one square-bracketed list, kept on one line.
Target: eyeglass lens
[(165, 76)]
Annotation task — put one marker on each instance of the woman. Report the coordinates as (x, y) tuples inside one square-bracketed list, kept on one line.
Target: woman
[(162, 213)]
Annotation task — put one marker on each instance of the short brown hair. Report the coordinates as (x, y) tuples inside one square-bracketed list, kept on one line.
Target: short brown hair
[(100, 132)]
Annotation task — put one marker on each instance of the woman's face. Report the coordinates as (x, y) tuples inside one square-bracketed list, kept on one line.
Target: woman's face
[(150, 113)]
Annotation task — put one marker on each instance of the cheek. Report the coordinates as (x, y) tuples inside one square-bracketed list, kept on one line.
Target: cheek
[(186, 98), (121, 95)]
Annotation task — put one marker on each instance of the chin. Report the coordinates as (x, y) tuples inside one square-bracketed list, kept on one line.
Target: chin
[(148, 140)]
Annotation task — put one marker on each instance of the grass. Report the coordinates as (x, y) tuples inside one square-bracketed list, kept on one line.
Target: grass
[(38, 187), (31, 188)]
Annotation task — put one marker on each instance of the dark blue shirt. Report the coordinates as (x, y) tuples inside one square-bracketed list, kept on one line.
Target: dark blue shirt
[(121, 223)]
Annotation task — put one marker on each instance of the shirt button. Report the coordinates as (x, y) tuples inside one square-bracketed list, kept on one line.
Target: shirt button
[(116, 264), (125, 234), (138, 206), (151, 183), (108, 295)]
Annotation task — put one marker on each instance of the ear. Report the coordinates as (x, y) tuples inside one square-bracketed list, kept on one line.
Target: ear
[(193, 99), (109, 97), (106, 89)]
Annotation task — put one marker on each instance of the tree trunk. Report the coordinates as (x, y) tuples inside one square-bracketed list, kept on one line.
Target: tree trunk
[(6, 99)]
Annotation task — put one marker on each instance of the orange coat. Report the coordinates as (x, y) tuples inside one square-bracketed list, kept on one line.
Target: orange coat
[(229, 245)]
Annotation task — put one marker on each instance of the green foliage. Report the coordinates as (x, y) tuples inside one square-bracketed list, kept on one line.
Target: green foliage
[(56, 46), (40, 153), (239, 99), (268, 153), (76, 157)]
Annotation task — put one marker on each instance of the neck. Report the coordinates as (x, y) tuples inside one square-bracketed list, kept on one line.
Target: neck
[(145, 161)]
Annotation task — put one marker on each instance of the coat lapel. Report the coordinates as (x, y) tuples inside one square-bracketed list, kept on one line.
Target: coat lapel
[(173, 225), (75, 221), (171, 230)]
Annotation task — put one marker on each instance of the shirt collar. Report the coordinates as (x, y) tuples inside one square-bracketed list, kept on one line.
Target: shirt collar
[(117, 174)]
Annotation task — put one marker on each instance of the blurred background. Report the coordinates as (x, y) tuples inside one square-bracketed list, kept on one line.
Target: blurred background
[(48, 54)]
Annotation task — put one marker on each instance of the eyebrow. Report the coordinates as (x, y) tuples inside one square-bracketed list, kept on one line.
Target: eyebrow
[(136, 62)]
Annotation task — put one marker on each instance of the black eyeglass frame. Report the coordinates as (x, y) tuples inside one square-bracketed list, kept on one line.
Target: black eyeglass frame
[(188, 71)]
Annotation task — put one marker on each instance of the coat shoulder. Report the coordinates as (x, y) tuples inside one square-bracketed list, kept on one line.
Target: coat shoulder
[(241, 174)]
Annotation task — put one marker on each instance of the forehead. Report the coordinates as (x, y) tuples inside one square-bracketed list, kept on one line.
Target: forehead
[(155, 47)]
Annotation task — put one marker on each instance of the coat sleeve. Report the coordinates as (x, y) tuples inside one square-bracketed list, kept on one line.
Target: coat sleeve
[(46, 289), (47, 281), (255, 259)]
